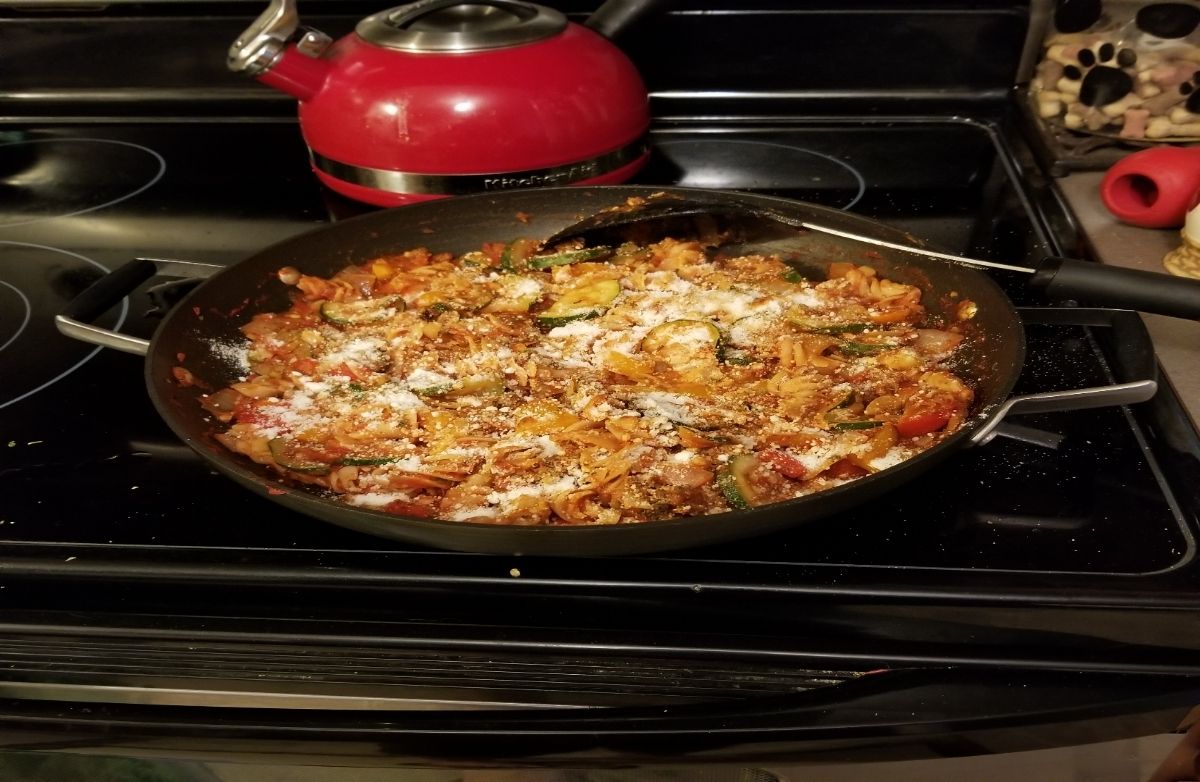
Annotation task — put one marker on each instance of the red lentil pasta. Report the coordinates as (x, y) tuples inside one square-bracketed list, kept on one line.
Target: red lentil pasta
[(519, 384)]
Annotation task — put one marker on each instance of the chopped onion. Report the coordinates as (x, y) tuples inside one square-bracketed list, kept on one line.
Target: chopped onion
[(932, 341)]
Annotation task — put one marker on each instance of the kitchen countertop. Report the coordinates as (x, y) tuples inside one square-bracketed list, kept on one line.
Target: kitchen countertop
[(1176, 341)]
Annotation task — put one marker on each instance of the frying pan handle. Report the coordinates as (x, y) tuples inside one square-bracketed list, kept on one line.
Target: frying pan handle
[(1116, 286), (73, 321), (1135, 366)]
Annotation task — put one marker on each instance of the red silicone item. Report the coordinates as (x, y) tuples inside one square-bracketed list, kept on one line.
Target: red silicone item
[(1153, 188)]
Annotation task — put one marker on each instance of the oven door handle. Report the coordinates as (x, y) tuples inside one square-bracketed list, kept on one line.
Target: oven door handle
[(906, 702), (976, 710), (75, 319)]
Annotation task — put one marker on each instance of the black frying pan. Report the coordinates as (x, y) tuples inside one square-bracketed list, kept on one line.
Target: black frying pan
[(214, 311)]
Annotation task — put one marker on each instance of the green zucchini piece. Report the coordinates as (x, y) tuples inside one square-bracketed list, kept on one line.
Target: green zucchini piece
[(479, 384), (515, 294), (804, 271), (814, 326), (862, 348), (843, 426), (733, 481), (368, 461), (437, 308), (580, 303), (546, 323), (356, 313), (514, 255), (286, 454), (750, 331), (423, 382), (441, 389), (735, 356), (705, 335), (568, 257)]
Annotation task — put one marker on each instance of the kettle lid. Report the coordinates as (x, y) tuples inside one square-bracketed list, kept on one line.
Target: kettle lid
[(460, 25)]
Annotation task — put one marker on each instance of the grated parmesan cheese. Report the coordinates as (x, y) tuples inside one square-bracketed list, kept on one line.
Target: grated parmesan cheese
[(364, 399)]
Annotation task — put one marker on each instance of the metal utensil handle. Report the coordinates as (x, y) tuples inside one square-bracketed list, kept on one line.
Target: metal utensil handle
[(1135, 365), (73, 321)]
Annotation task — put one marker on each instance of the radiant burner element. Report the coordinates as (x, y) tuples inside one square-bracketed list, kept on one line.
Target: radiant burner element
[(14, 316), (739, 164), (36, 282), (62, 177), (42, 179)]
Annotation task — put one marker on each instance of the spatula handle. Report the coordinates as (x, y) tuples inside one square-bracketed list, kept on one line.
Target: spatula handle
[(1116, 286)]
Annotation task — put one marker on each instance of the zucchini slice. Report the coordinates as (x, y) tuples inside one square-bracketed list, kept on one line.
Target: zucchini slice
[(368, 461), (752, 330), (356, 313), (803, 271), (814, 326), (568, 257), (431, 384), (289, 456), (733, 481), (440, 389), (422, 382), (748, 337), (580, 303), (862, 348), (845, 426), (735, 356), (684, 343), (515, 294), (513, 256)]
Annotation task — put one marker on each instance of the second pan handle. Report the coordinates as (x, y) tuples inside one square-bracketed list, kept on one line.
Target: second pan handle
[(74, 320), (1135, 366)]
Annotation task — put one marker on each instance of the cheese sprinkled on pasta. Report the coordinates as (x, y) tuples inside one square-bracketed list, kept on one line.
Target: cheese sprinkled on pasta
[(526, 385)]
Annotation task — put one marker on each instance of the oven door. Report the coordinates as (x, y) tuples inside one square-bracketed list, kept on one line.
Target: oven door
[(909, 715), (335, 689)]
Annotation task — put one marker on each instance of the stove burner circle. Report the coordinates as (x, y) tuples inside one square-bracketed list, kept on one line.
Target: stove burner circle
[(41, 179), (746, 164), (42, 279), (26, 311)]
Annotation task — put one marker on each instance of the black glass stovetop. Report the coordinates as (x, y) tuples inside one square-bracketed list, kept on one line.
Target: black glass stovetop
[(88, 470)]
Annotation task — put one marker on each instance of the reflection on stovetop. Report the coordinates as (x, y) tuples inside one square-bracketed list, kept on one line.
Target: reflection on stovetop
[(85, 460)]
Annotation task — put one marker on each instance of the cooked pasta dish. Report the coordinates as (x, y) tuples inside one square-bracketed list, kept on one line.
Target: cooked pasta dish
[(520, 384)]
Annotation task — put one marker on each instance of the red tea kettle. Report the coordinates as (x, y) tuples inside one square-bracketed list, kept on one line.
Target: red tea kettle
[(446, 97)]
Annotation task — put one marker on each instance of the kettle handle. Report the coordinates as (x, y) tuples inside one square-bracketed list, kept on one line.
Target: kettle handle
[(257, 49), (614, 17)]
